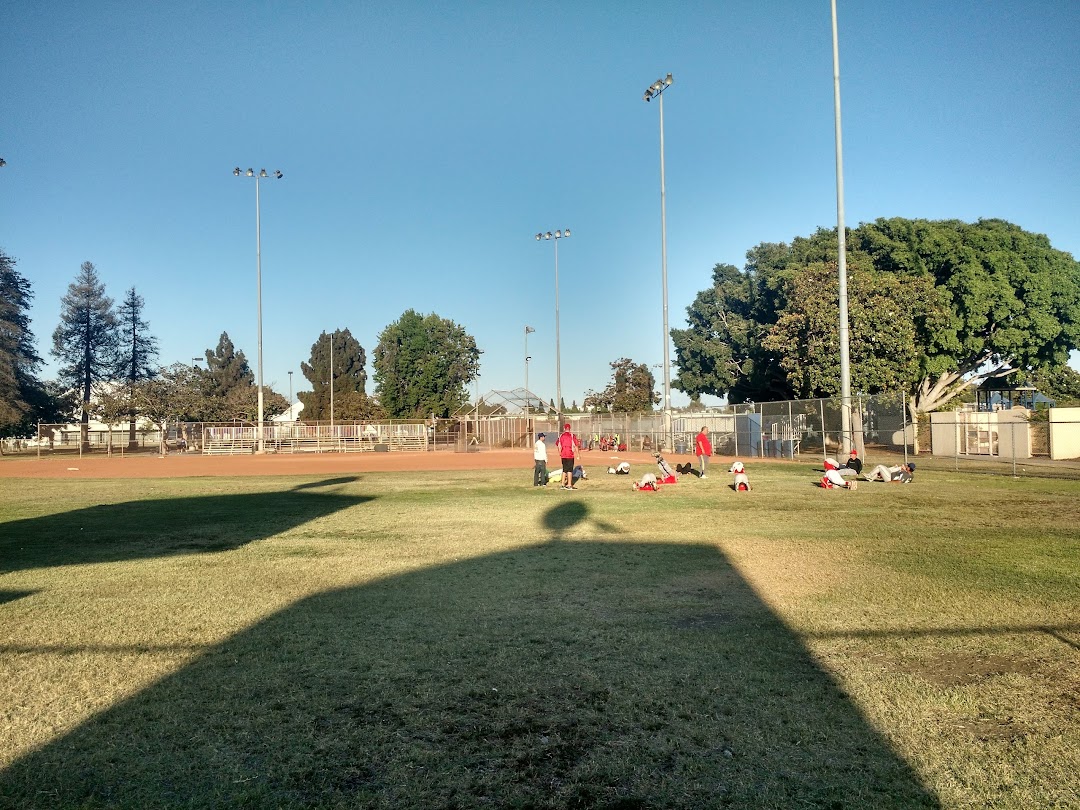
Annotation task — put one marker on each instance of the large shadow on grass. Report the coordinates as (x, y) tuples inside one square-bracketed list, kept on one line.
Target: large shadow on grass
[(157, 528), (566, 674)]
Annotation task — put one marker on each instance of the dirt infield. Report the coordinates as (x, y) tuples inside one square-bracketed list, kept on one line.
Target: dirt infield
[(180, 465)]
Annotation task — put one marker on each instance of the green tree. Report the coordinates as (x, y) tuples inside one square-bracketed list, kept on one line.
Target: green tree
[(169, 397), (86, 340), (227, 368), (349, 375), (1014, 301), (973, 301), (631, 390), (1060, 383), (137, 349), (721, 351), (19, 386), (886, 313), (423, 365)]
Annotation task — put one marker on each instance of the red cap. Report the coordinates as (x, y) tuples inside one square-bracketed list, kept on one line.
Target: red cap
[(566, 426)]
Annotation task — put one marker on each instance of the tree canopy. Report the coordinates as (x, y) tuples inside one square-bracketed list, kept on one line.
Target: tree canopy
[(631, 390), (423, 364), (932, 305)]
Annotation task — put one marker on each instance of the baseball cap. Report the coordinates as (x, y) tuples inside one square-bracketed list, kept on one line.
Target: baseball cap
[(540, 435), (566, 426), (911, 466)]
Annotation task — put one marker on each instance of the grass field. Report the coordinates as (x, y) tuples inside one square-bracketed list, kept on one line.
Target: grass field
[(438, 640)]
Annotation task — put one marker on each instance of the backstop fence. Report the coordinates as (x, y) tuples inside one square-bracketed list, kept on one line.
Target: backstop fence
[(1013, 440)]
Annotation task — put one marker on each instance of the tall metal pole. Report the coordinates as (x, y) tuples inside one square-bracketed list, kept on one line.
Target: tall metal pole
[(656, 89), (258, 281), (845, 357), (527, 395), (332, 383), (258, 263), (557, 235), (558, 360), (663, 273)]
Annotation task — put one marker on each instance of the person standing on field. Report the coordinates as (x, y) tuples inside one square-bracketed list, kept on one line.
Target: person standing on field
[(568, 445), (703, 449), (540, 473)]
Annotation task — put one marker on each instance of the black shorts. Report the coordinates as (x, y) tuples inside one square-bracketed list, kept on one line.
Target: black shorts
[(567, 465)]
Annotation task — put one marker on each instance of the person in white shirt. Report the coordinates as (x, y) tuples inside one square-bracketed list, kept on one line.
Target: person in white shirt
[(540, 473)]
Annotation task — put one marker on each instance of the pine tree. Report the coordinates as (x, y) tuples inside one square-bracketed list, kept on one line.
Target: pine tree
[(349, 375), (228, 368), (19, 387), (138, 350), (86, 341)]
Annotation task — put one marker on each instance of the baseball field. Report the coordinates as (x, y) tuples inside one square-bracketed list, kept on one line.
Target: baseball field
[(430, 631)]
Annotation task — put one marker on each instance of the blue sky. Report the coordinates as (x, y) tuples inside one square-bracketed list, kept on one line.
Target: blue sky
[(424, 145)]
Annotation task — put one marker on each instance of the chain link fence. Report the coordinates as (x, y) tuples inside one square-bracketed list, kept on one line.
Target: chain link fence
[(1007, 441)]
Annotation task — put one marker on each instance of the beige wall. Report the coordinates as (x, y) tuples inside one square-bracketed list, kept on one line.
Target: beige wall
[(1064, 433)]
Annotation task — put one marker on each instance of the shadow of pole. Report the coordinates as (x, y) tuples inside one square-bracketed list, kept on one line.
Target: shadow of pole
[(573, 674)]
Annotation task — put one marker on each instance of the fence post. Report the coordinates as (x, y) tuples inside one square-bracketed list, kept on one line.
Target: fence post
[(824, 434), (903, 413)]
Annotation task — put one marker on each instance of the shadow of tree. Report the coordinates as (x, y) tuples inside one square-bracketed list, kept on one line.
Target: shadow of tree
[(208, 523), (566, 674)]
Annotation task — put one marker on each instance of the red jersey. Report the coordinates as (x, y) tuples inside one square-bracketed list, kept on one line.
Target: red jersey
[(702, 447), (567, 443)]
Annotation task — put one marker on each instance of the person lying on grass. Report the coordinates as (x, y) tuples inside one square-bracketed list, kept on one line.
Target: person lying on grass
[(900, 474), (648, 483)]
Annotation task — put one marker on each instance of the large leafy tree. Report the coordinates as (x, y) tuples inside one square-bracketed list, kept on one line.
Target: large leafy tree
[(423, 365), (632, 389), (86, 341), (1013, 300), (19, 386), (137, 349), (886, 313), (721, 352), (970, 301), (349, 375)]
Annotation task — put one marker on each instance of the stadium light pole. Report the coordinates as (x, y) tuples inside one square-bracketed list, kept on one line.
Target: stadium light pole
[(258, 282), (331, 337), (528, 329), (556, 236), (656, 90), (845, 356)]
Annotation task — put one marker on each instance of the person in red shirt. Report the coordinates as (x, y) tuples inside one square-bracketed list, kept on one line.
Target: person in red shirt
[(703, 449), (568, 445)]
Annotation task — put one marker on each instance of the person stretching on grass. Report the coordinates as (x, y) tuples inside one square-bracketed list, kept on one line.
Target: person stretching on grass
[(902, 474)]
